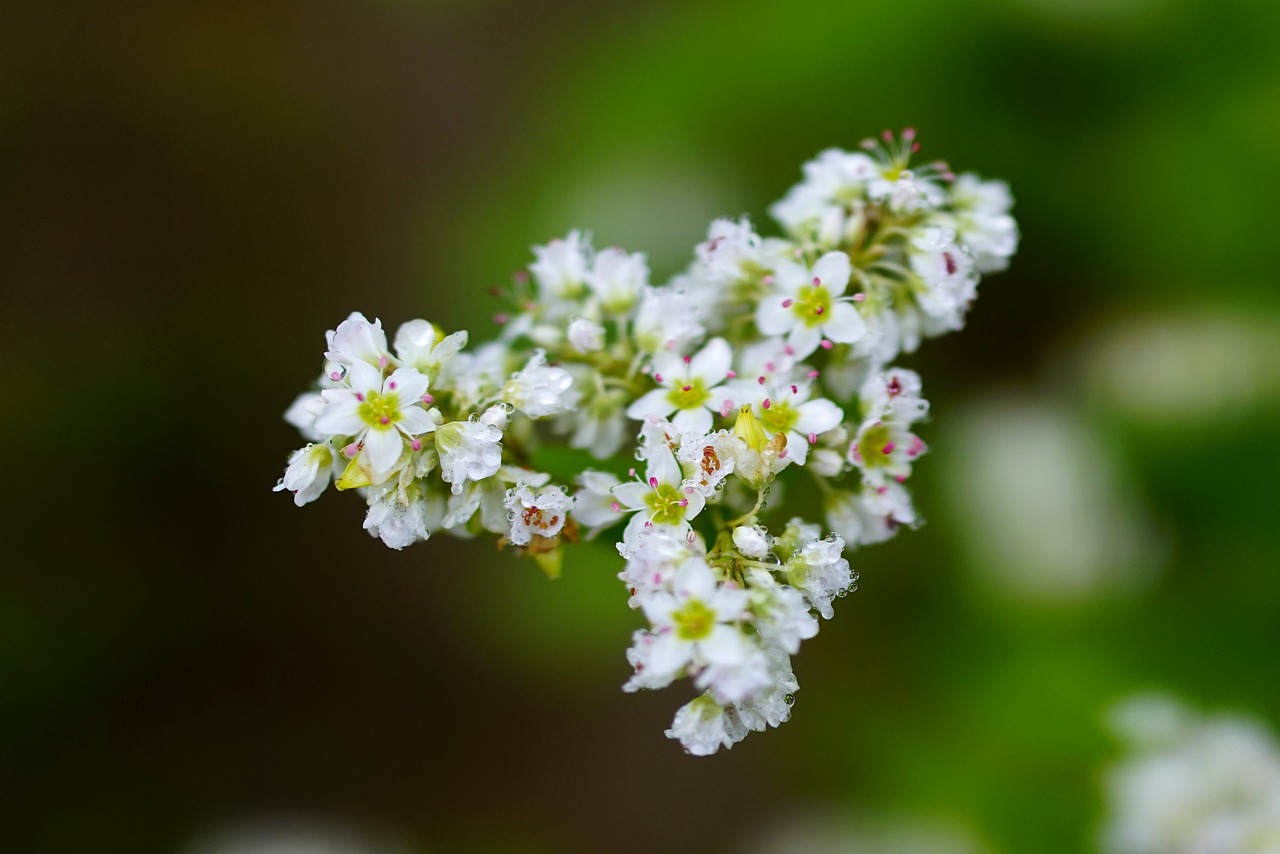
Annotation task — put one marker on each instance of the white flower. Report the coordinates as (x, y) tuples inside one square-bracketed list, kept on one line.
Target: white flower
[(560, 270), (663, 498), (871, 516), (539, 390), (694, 626), (598, 421), (781, 612), (654, 557), (419, 345), (708, 459), (595, 506), (893, 393), (785, 407), (378, 413), (703, 726), (488, 496), (946, 283), (820, 571), (302, 415), (585, 336), (772, 708), (617, 278), (666, 320), (689, 387), (1192, 785), (542, 514), (309, 472), (402, 514), (980, 216), (806, 305), (828, 205), (471, 450), (358, 340), (885, 449), (751, 540)]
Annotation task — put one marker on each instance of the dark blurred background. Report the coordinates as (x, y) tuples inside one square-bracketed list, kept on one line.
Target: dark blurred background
[(190, 194)]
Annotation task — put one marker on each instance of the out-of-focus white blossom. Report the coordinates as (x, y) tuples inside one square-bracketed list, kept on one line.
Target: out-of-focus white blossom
[(1191, 784)]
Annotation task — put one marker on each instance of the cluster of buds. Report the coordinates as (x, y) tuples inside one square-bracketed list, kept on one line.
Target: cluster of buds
[(768, 360)]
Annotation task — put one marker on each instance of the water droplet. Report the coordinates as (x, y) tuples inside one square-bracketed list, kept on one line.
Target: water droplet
[(789, 699)]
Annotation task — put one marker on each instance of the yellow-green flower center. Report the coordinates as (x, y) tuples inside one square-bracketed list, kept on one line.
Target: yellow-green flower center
[(871, 447), (812, 304), (667, 504), (779, 417), (380, 410), (688, 394), (694, 621)]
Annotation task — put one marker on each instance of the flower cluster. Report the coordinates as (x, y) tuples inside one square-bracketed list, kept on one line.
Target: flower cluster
[(765, 365), (1199, 785)]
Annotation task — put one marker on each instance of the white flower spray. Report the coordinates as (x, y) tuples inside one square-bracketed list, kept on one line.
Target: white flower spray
[(764, 366)]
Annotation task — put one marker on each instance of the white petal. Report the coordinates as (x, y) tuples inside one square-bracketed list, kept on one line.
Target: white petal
[(804, 340), (833, 271), (797, 447), (692, 420), (655, 403), (669, 653), (383, 448), (845, 324), (818, 416), (726, 645), (341, 415), (364, 377), (631, 495), (696, 503), (772, 318), (668, 365), (663, 465), (415, 420), (712, 362), (407, 383)]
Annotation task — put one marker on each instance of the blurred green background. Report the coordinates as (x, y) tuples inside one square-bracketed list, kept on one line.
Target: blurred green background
[(192, 193)]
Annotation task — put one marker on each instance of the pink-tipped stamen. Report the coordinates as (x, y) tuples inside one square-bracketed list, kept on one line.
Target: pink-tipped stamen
[(786, 303), (653, 482), (416, 444), (888, 448), (767, 403), (813, 438)]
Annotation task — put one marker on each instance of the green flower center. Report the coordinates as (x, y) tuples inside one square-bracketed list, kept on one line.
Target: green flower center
[(779, 417), (812, 304), (872, 446), (694, 621), (689, 394), (667, 503), (380, 411)]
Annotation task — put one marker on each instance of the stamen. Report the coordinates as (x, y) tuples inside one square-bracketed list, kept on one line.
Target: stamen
[(501, 319), (859, 297), (731, 375), (416, 444), (360, 397), (392, 385), (683, 502), (789, 350), (795, 389), (813, 438), (819, 310), (816, 281), (888, 448), (657, 378), (687, 388), (826, 344), (385, 420), (382, 361), (786, 303), (653, 482), (813, 375), (351, 450), (688, 359), (766, 403), (428, 399), (760, 380), (616, 507)]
